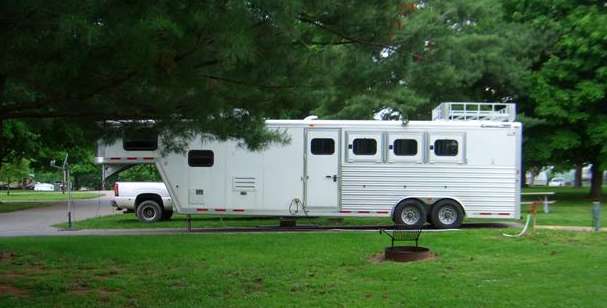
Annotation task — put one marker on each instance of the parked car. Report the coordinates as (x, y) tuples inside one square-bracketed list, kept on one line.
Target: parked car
[(44, 187), (557, 182), (149, 200)]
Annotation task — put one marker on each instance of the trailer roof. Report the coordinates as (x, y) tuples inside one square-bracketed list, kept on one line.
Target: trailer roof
[(387, 124)]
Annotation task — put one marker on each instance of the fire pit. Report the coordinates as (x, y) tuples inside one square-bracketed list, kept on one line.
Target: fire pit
[(407, 253)]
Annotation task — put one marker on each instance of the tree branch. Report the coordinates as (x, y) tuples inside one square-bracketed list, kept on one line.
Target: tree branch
[(342, 35)]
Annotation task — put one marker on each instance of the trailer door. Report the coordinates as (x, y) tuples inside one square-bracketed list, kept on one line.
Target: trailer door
[(322, 151)]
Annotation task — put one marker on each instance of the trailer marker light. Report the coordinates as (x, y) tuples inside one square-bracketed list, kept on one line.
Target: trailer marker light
[(485, 214), (220, 210), (115, 158), (364, 212), (238, 210), (345, 212), (382, 212), (131, 158), (503, 214), (202, 210), (148, 158)]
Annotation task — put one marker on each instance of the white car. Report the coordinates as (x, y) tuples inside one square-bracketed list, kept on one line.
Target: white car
[(149, 200), (557, 182), (44, 187)]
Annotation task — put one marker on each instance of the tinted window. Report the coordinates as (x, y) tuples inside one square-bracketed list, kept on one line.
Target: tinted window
[(445, 147), (405, 147), (322, 146), (140, 141), (201, 158), (364, 146)]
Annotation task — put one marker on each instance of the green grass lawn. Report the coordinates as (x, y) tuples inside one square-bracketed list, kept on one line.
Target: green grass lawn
[(130, 221), (19, 206), (29, 195), (573, 208), (473, 268)]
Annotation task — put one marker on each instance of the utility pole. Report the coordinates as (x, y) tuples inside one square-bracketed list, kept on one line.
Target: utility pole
[(66, 185)]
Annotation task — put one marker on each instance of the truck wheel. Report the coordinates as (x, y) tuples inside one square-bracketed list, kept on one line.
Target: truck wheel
[(167, 214), (149, 211), (410, 213), (447, 214)]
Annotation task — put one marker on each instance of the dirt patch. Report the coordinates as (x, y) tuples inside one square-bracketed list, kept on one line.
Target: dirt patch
[(377, 258), (6, 256), (9, 290), (380, 257)]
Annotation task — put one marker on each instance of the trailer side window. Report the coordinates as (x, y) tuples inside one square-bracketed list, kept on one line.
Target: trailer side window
[(201, 158), (364, 146), (446, 147), (322, 146), (140, 141), (405, 147)]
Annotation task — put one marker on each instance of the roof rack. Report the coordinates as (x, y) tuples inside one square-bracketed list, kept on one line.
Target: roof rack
[(465, 111)]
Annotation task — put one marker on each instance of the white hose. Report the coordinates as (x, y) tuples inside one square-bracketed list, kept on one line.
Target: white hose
[(522, 232)]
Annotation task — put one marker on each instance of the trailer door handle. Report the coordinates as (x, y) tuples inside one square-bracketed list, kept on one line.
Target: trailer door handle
[(335, 178)]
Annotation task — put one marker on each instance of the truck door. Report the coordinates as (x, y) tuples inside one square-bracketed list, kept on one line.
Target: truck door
[(322, 171)]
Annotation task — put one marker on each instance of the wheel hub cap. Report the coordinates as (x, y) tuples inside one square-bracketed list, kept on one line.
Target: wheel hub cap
[(149, 213), (410, 216), (447, 215)]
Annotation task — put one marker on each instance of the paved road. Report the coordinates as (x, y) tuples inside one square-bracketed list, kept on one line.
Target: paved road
[(38, 221)]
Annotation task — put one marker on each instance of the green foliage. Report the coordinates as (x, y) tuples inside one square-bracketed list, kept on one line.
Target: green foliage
[(14, 171), (440, 51), (567, 87), (192, 67), (138, 173)]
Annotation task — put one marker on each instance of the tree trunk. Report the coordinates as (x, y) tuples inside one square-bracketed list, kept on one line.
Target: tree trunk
[(578, 175), (596, 186)]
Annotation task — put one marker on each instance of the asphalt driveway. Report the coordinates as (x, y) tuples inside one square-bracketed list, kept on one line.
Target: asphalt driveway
[(38, 221)]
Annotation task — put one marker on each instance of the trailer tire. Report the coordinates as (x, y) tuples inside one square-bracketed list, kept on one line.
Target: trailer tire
[(410, 213), (167, 214), (447, 214), (149, 211)]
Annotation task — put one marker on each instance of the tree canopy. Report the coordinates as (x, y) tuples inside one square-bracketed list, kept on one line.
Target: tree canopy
[(223, 66), (568, 85)]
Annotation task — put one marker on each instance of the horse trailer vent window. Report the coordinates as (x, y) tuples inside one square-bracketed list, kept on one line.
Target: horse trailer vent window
[(405, 147), (322, 146), (201, 158), (446, 147), (364, 146), (140, 142)]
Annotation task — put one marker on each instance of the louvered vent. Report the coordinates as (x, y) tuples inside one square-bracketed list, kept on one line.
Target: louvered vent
[(243, 184)]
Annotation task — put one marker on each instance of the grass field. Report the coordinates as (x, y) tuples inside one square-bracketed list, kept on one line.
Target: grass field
[(472, 268), (19, 206), (26, 199), (28, 195), (571, 209)]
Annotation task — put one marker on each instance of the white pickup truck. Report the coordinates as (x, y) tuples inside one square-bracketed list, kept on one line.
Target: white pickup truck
[(149, 200)]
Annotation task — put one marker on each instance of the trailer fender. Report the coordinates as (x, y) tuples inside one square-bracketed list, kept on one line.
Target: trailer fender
[(142, 197)]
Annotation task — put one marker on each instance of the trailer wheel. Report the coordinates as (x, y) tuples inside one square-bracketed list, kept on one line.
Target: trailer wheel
[(410, 213), (167, 214), (149, 211), (447, 214)]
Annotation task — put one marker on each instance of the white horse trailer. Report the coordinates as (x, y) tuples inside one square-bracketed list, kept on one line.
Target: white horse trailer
[(465, 162)]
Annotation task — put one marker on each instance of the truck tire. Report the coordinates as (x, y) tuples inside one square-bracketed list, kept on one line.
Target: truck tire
[(167, 214), (410, 213), (447, 214), (149, 211)]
